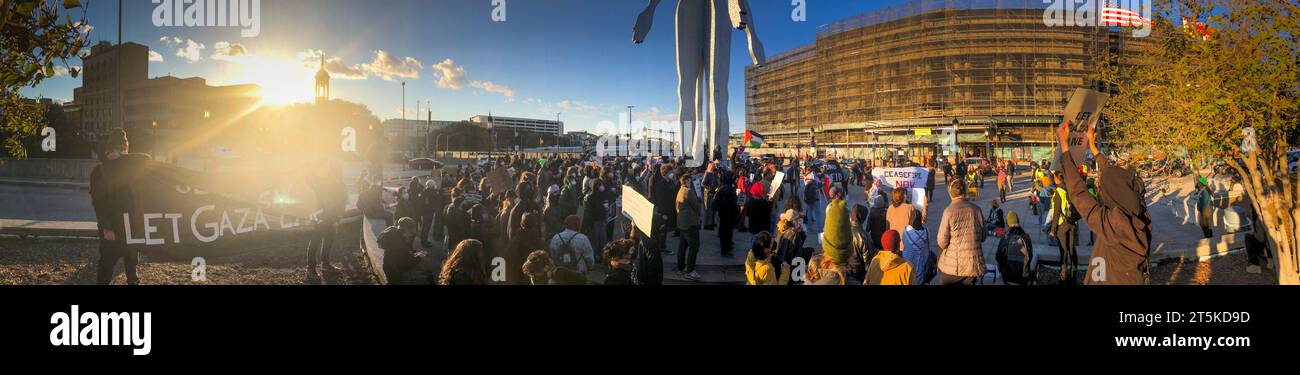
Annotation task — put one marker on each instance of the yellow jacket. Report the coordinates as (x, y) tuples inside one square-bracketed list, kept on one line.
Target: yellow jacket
[(888, 268), (764, 273)]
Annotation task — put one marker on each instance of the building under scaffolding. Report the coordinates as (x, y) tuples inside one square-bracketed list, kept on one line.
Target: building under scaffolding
[(894, 80)]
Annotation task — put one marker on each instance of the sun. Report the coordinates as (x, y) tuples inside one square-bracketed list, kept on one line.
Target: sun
[(282, 81)]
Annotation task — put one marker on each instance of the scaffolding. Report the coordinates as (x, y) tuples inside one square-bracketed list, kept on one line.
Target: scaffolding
[(924, 63)]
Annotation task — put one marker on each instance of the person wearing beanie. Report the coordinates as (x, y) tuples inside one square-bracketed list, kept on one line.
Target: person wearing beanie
[(110, 195), (400, 258), (758, 210), (837, 241), (961, 233), (888, 267), (1015, 253)]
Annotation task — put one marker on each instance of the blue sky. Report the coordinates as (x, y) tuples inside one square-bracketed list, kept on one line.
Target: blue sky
[(569, 56)]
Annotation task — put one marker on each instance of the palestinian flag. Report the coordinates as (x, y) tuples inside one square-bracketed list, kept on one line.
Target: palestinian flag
[(753, 139)]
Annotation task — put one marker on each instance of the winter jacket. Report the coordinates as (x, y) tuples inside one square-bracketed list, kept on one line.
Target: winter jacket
[(862, 249), (961, 233), (888, 268), (900, 217), (916, 249), (594, 213), (1122, 224), (758, 211), (110, 192), (765, 273), (688, 208), (399, 255)]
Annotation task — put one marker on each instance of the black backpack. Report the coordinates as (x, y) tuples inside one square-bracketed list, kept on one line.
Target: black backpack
[(1015, 260), (566, 256)]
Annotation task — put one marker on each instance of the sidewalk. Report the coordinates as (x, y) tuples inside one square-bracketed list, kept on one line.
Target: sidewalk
[(46, 183)]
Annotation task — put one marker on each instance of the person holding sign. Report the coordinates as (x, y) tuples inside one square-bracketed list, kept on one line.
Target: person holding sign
[(110, 194), (1118, 215)]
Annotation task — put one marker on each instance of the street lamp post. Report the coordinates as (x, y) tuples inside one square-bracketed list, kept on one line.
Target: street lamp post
[(629, 129)]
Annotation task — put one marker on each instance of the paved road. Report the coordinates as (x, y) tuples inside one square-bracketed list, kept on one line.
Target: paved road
[(39, 203)]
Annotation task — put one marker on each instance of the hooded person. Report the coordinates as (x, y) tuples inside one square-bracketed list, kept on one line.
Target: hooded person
[(837, 241), (889, 267), (1118, 215), (111, 195)]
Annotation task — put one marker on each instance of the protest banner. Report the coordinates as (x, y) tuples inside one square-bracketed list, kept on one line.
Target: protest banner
[(1083, 112), (639, 209), (177, 213), (911, 178)]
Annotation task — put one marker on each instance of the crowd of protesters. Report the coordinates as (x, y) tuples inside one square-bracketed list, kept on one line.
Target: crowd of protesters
[(557, 220)]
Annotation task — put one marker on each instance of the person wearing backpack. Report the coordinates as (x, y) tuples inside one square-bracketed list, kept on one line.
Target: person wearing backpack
[(916, 249), (1015, 255), (571, 249), (1065, 227)]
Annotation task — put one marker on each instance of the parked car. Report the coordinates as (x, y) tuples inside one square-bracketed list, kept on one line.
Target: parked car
[(423, 164)]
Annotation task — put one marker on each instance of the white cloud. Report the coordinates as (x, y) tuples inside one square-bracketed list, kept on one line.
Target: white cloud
[(492, 87), (186, 49), (388, 67), (656, 114), (85, 30), (450, 75), (155, 56), (225, 51), (171, 42), (333, 65), (62, 70)]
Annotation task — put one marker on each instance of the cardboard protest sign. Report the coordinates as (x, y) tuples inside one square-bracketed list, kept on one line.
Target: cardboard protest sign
[(499, 179), (1083, 112), (639, 209), (912, 178), (776, 185)]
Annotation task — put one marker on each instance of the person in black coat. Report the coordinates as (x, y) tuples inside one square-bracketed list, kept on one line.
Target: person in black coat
[(400, 258), (663, 193), (432, 203), (110, 194), (724, 202), (332, 198), (595, 215), (456, 222)]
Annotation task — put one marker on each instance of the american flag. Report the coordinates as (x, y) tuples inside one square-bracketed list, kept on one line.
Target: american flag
[(1113, 14)]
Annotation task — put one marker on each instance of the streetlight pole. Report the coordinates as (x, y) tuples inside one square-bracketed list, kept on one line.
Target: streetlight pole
[(629, 129), (403, 100)]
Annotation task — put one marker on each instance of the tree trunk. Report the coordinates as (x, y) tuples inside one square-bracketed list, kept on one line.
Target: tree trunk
[(1288, 274)]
